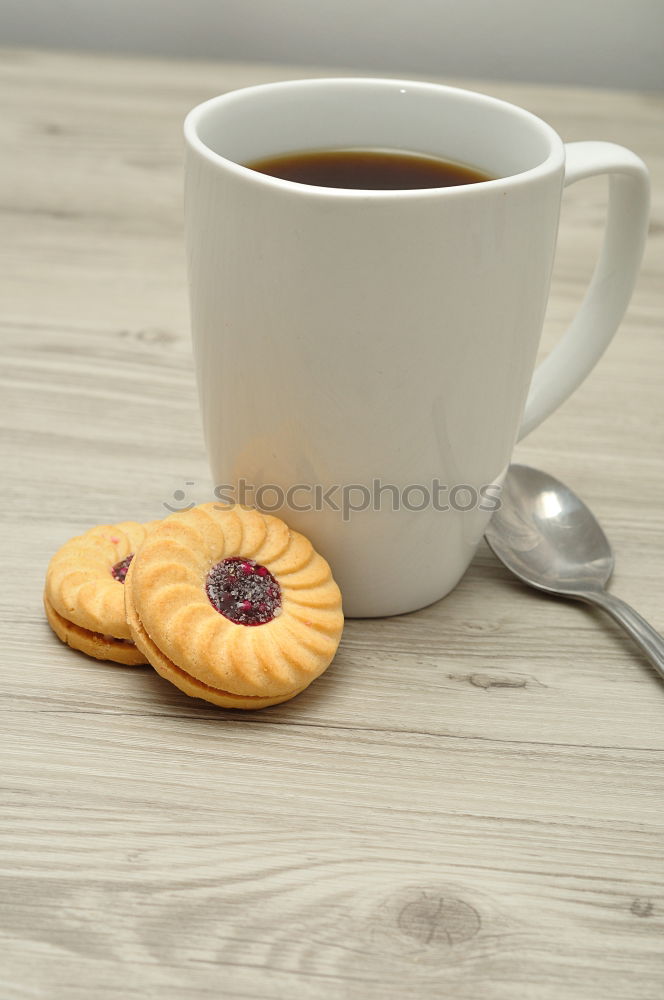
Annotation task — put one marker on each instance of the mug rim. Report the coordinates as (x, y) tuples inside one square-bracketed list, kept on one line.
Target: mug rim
[(554, 160)]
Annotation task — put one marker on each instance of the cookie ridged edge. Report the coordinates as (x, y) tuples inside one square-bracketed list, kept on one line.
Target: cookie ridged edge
[(184, 681), (93, 644), (79, 583), (168, 609)]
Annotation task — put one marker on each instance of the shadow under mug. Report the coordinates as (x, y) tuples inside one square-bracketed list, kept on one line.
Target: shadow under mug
[(365, 358)]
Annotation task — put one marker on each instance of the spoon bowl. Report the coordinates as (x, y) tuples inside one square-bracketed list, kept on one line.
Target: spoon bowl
[(547, 536), (551, 540)]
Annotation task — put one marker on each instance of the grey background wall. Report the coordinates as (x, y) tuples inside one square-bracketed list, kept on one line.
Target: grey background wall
[(614, 43)]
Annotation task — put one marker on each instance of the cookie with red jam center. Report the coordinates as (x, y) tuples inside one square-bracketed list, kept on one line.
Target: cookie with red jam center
[(84, 592), (232, 606)]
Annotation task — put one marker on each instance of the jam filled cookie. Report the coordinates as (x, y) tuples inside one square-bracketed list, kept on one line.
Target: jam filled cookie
[(84, 594), (232, 606)]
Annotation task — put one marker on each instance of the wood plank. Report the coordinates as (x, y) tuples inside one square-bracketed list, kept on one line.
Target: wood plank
[(469, 802)]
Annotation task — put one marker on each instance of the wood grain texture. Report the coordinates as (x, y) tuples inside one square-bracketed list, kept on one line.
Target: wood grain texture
[(469, 803)]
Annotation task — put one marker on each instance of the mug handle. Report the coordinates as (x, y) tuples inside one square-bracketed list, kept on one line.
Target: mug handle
[(612, 283)]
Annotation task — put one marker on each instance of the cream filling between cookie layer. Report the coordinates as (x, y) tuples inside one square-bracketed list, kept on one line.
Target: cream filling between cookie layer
[(152, 648), (89, 633), (113, 638)]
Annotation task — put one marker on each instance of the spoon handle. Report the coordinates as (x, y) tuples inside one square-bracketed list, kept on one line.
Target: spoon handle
[(643, 634)]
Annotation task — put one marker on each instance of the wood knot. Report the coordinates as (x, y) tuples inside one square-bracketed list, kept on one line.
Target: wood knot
[(426, 927), (475, 627), (53, 128), (642, 907), (487, 681), (156, 335), (149, 335), (432, 920)]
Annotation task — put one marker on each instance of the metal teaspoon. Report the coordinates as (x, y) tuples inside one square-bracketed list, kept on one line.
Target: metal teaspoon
[(547, 537)]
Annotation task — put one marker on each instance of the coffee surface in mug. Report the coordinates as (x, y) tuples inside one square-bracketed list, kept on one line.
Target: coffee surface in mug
[(368, 169)]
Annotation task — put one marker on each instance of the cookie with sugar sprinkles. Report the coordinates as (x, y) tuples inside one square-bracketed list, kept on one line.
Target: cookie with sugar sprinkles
[(84, 592), (232, 606)]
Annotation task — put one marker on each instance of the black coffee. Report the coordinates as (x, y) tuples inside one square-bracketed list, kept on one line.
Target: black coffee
[(368, 169)]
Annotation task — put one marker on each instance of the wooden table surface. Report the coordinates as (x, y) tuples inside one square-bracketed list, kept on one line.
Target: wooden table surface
[(469, 804)]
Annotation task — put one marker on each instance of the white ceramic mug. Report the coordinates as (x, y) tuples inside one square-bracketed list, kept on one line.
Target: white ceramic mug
[(345, 338)]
